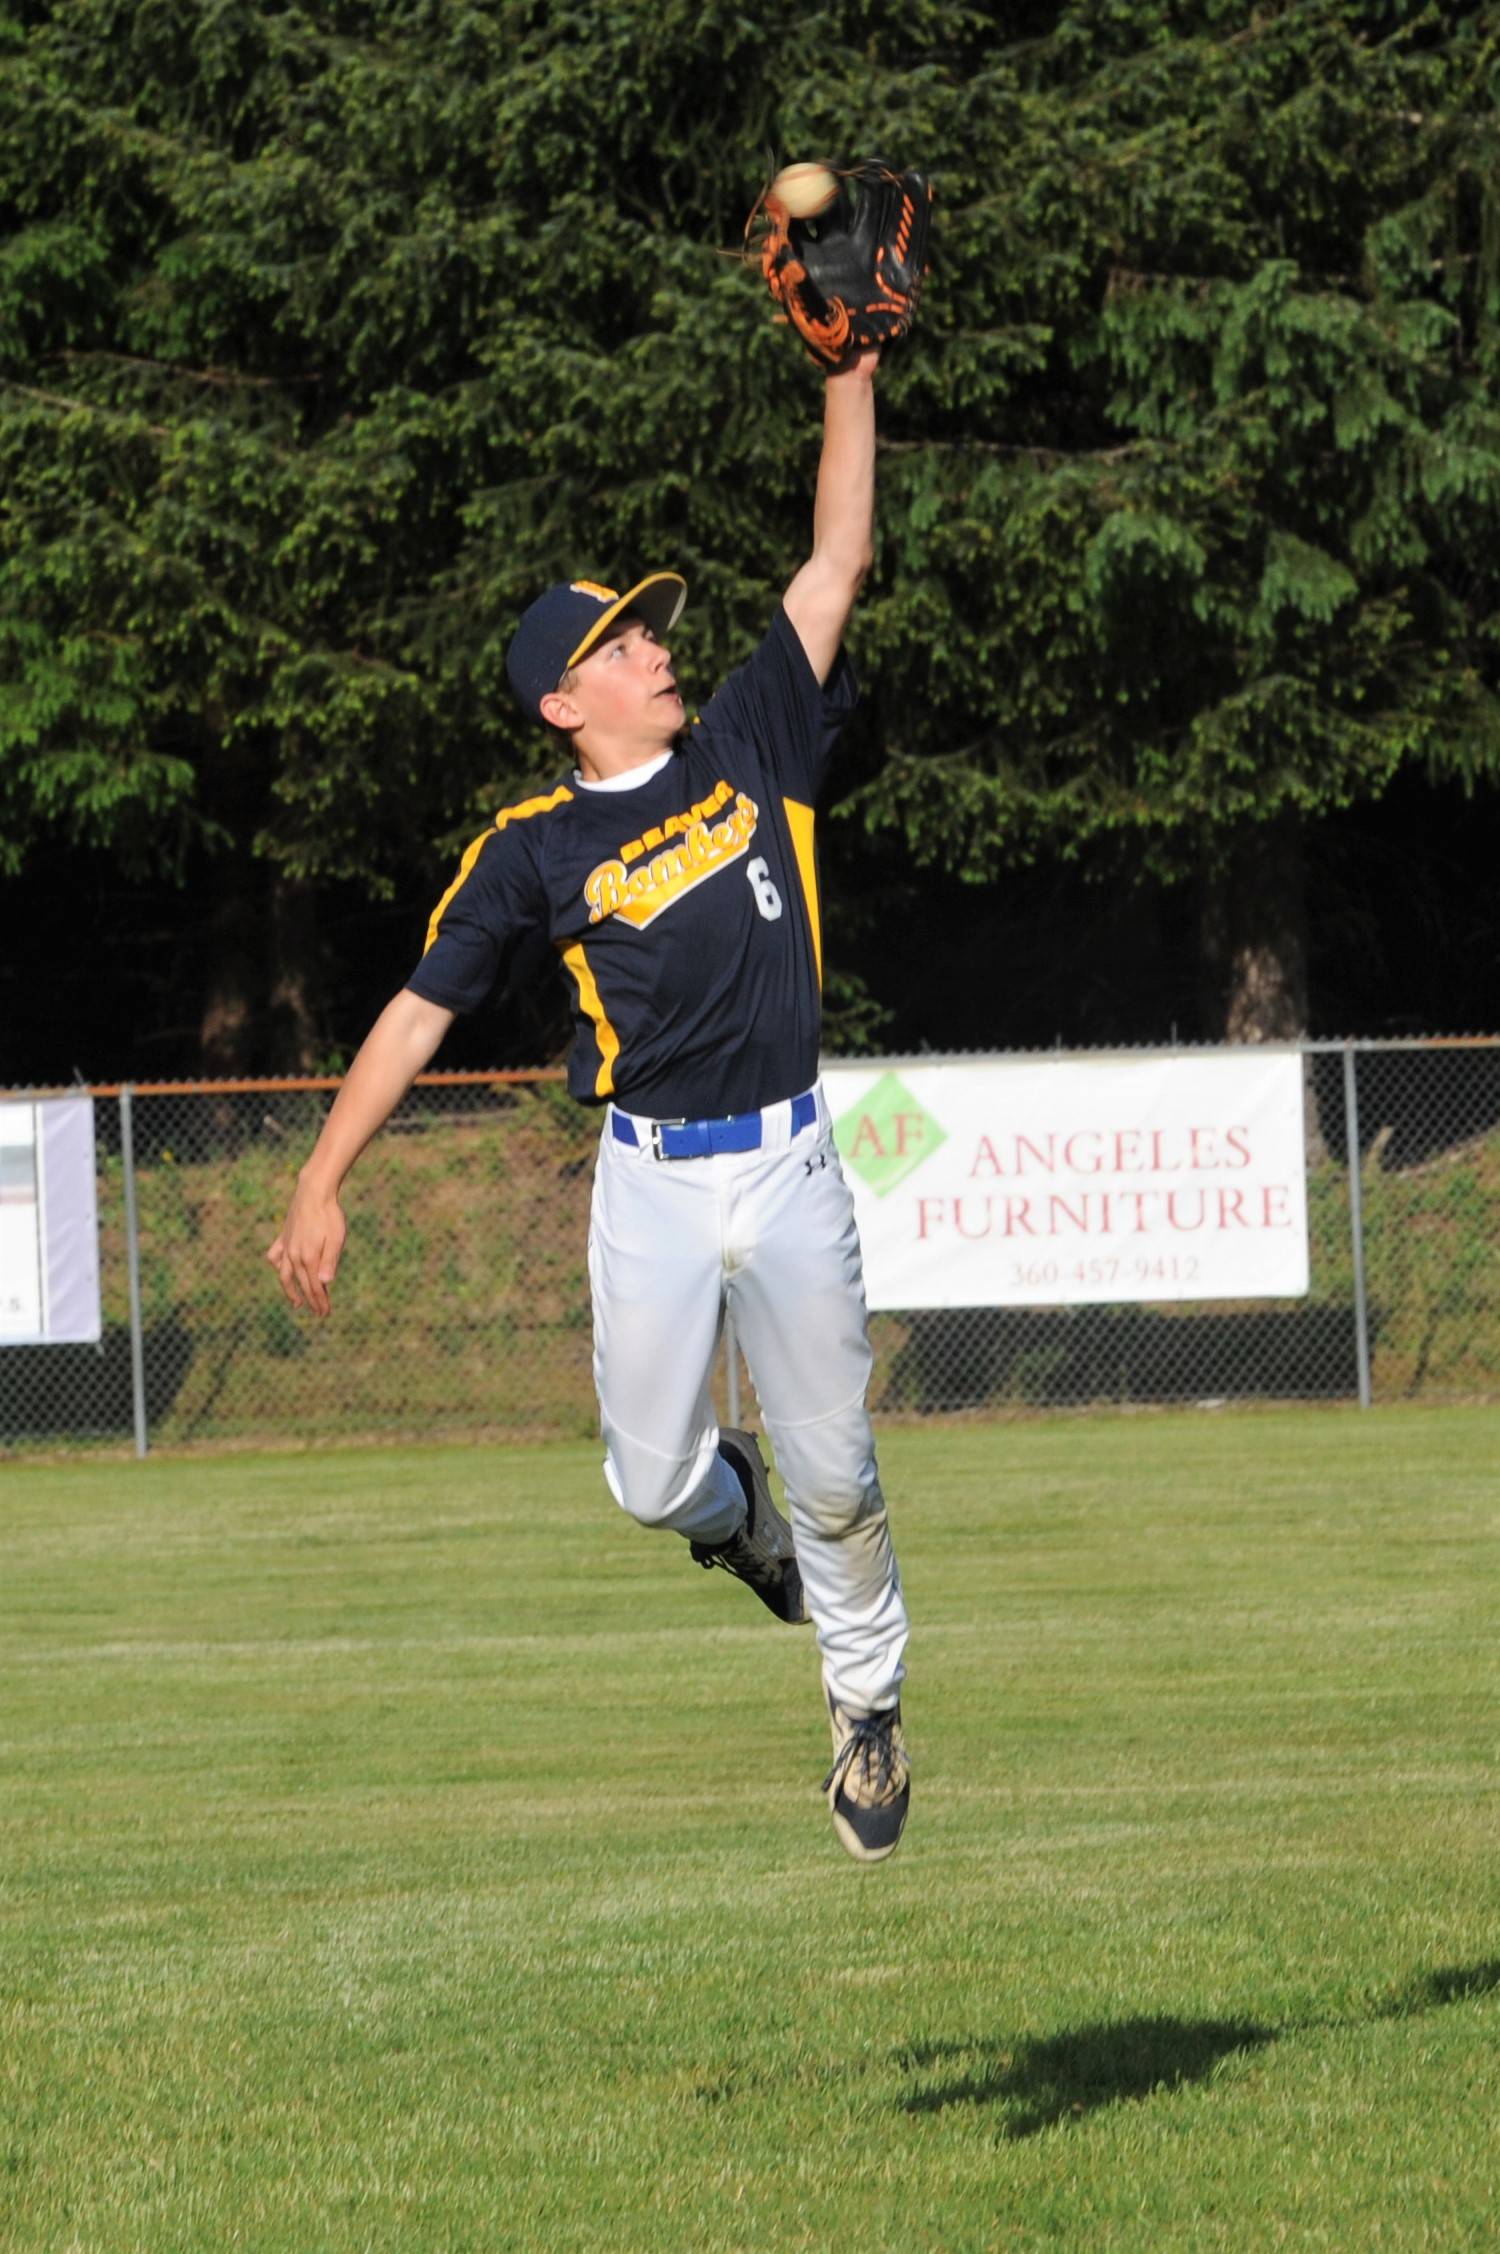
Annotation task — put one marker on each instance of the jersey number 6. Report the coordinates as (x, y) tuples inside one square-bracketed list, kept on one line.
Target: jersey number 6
[(767, 898)]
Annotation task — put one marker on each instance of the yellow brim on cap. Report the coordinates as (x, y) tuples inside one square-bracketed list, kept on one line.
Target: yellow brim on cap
[(665, 593)]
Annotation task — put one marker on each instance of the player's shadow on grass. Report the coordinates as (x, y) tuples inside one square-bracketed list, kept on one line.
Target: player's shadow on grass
[(1047, 2079), (1053, 2078)]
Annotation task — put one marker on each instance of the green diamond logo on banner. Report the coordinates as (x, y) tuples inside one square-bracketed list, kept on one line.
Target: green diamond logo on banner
[(886, 1135)]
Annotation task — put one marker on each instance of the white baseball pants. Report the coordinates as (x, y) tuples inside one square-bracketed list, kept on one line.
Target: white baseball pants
[(770, 1233)]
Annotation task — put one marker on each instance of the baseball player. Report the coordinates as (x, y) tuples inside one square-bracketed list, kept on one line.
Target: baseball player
[(672, 866)]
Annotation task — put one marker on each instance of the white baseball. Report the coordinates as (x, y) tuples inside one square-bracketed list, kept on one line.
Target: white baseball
[(803, 190)]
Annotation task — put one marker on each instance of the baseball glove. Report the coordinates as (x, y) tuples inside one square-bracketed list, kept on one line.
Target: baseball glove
[(851, 277)]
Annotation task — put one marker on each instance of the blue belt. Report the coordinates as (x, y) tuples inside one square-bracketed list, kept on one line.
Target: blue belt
[(700, 1138)]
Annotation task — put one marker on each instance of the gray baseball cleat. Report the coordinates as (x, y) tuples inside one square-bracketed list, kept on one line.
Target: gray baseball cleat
[(869, 1785), (760, 1552)]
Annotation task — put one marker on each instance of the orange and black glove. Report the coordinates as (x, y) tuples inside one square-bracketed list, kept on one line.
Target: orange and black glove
[(851, 277)]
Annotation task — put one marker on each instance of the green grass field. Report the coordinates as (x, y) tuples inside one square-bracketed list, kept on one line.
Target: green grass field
[(402, 1851)]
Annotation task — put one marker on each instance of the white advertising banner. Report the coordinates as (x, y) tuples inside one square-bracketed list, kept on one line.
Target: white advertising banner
[(49, 1223), (1044, 1184)]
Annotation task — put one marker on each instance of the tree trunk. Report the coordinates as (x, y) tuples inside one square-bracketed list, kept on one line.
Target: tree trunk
[(1254, 949), (227, 1024), (1254, 955), (295, 1044)]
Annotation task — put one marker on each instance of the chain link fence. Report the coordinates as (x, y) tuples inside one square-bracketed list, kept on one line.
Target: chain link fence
[(462, 1304)]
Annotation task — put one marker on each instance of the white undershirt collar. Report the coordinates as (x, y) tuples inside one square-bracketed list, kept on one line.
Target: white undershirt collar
[(629, 778)]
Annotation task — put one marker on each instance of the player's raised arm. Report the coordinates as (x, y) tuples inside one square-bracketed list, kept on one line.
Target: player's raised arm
[(403, 1039), (843, 249), (821, 596)]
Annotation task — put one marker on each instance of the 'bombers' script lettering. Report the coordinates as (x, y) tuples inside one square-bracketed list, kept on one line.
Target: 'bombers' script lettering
[(685, 849)]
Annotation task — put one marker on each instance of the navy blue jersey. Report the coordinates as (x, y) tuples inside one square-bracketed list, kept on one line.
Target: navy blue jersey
[(685, 908)]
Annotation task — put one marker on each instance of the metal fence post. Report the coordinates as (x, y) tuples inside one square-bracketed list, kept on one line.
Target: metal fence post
[(133, 1269), (1357, 1226)]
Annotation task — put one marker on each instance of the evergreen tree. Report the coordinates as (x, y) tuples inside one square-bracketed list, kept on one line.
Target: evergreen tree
[(1199, 542), (329, 332)]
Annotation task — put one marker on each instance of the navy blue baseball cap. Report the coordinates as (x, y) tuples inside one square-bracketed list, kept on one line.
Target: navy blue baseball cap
[(563, 625)]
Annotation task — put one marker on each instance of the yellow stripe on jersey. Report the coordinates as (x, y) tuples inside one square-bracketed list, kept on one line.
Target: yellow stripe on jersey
[(521, 813), (604, 1033), (800, 820)]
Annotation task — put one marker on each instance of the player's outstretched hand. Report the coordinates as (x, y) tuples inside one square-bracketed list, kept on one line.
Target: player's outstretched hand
[(306, 1254)]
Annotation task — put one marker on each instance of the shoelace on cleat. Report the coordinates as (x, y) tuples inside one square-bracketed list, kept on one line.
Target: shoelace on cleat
[(737, 1557), (871, 1741)]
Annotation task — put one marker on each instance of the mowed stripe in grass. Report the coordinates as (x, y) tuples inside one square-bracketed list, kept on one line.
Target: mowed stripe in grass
[(403, 1851)]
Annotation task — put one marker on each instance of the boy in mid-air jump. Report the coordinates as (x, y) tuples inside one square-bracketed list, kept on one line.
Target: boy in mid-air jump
[(673, 868)]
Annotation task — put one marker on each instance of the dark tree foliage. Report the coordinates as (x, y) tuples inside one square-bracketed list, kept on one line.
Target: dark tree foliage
[(1216, 554), (329, 332)]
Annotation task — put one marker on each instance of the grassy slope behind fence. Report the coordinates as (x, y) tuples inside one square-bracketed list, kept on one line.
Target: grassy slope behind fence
[(434, 1862), (461, 1303), (463, 1307)]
